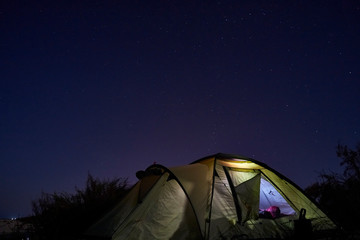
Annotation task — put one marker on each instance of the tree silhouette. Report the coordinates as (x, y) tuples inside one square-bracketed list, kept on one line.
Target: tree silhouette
[(339, 194), (67, 216), (351, 161)]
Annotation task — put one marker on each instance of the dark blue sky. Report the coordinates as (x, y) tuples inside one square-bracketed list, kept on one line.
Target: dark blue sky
[(109, 87)]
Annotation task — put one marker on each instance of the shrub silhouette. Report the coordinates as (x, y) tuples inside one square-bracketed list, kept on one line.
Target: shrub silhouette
[(67, 216)]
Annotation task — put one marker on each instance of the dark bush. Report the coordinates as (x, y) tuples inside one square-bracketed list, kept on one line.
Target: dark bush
[(67, 216)]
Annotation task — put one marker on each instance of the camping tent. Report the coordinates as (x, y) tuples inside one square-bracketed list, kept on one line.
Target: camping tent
[(217, 197)]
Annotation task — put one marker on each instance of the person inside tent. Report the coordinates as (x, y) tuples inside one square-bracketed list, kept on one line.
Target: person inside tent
[(271, 212)]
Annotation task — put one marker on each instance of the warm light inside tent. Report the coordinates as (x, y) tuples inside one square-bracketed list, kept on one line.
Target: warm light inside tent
[(242, 164)]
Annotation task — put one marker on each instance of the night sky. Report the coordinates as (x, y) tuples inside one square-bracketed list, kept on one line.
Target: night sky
[(109, 87)]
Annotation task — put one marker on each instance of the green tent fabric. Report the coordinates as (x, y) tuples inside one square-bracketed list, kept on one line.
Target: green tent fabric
[(217, 197)]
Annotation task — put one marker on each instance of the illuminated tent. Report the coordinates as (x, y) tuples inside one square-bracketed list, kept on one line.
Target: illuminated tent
[(217, 197)]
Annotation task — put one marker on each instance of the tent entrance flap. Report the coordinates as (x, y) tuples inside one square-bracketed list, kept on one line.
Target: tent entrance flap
[(247, 188)]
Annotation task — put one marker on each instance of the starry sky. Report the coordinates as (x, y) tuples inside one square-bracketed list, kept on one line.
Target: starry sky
[(109, 87)]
